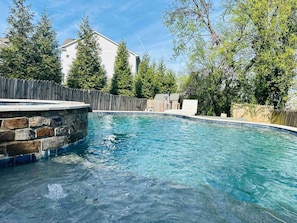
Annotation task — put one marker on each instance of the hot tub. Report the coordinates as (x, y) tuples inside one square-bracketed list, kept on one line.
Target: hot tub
[(35, 129)]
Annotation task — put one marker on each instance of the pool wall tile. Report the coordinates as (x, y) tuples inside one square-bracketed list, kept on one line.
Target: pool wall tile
[(33, 157)]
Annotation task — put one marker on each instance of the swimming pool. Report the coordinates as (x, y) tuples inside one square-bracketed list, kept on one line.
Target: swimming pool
[(160, 169)]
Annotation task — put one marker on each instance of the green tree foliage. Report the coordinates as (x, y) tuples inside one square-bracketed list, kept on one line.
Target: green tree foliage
[(200, 40), (144, 87), (17, 59), (122, 80), (154, 78), (86, 71), (33, 51), (164, 80), (159, 78), (170, 83), (273, 25), (204, 86), (47, 64), (248, 58)]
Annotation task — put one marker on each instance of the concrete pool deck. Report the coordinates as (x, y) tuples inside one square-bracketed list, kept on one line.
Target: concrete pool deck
[(239, 121)]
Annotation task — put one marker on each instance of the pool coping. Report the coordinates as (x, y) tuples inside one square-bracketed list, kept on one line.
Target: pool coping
[(45, 105), (213, 119)]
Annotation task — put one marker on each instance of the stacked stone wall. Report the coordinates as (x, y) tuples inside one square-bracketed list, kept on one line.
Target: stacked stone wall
[(252, 112), (30, 135)]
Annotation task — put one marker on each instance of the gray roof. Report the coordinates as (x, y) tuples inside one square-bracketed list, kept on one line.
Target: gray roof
[(173, 97), (67, 41)]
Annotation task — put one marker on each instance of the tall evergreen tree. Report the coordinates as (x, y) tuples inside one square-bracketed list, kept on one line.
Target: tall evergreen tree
[(170, 83), (46, 53), (144, 86), (17, 59), (86, 71), (159, 78), (122, 80)]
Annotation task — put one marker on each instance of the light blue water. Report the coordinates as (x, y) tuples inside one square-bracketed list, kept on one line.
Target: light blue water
[(159, 169)]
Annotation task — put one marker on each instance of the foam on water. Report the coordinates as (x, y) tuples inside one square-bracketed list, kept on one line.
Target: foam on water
[(55, 192), (68, 159)]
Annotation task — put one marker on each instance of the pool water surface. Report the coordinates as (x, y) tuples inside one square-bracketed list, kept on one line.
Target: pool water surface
[(159, 169)]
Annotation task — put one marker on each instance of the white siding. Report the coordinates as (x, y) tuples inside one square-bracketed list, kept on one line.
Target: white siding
[(67, 57), (108, 54)]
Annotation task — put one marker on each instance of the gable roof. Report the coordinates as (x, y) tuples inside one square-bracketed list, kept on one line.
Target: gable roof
[(69, 42)]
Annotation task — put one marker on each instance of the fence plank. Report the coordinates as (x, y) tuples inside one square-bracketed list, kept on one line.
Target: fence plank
[(46, 90)]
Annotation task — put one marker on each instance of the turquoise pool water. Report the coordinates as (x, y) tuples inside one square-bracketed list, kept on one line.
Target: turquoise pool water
[(159, 169)]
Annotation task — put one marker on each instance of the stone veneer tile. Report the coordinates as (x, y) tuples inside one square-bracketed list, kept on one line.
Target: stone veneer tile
[(18, 148), (62, 131), (39, 121), (15, 123), (6, 135), (24, 134), (56, 121), (53, 142), (44, 132)]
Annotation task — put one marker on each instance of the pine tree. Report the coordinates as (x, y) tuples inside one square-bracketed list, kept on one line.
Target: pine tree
[(17, 59), (46, 56), (159, 78), (86, 71), (170, 83), (144, 87), (164, 79), (122, 80)]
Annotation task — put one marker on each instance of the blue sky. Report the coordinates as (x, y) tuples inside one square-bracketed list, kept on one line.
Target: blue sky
[(138, 22)]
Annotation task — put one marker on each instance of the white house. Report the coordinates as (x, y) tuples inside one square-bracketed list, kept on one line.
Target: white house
[(4, 42), (108, 54)]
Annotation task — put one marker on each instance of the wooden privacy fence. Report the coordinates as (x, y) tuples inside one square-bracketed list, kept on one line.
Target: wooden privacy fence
[(46, 90), (284, 118)]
